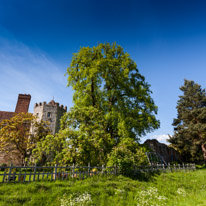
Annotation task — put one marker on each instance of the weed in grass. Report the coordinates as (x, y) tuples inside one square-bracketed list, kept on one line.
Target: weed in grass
[(119, 192), (76, 199), (150, 197), (181, 192), (203, 187)]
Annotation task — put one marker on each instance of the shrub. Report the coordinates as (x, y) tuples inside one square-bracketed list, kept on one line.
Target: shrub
[(126, 155)]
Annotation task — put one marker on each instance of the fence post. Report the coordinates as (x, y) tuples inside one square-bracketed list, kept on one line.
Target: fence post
[(24, 177), (4, 176), (183, 166), (151, 168), (169, 167), (10, 170), (34, 173), (174, 167), (193, 167), (160, 167), (55, 174), (89, 169), (156, 166), (30, 177), (163, 167)]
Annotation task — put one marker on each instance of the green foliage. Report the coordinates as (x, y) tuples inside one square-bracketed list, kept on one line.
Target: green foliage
[(50, 150), (126, 155), (106, 78), (16, 136), (190, 124), (88, 140), (87, 144)]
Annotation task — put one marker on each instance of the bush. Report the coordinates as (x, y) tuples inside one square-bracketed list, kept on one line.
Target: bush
[(126, 155)]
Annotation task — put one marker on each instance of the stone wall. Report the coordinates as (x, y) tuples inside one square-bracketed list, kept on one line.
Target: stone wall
[(60, 112), (11, 158), (50, 112)]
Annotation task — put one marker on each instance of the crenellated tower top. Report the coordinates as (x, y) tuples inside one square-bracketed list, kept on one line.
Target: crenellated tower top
[(51, 103), (51, 112)]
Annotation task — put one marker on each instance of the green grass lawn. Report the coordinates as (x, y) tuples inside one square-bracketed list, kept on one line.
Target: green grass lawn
[(178, 188)]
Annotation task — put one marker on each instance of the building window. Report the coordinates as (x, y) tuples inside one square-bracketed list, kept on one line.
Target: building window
[(49, 114)]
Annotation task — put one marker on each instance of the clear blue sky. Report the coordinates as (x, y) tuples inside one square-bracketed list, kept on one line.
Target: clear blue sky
[(166, 38)]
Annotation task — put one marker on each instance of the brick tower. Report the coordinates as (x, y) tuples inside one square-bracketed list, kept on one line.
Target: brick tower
[(23, 103), (21, 106)]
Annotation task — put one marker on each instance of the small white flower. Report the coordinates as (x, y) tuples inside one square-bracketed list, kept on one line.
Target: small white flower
[(150, 197), (181, 191), (71, 200)]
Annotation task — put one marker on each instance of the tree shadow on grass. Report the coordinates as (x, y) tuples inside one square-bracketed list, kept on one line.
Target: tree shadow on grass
[(145, 176)]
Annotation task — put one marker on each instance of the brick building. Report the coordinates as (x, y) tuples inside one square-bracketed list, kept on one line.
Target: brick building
[(51, 112), (22, 105), (168, 154)]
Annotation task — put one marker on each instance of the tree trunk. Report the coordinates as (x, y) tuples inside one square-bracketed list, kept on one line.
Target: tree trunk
[(92, 93)]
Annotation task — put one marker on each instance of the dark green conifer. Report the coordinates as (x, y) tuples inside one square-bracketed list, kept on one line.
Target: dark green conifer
[(190, 125)]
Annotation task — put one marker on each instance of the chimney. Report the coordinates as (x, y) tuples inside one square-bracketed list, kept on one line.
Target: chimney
[(23, 103)]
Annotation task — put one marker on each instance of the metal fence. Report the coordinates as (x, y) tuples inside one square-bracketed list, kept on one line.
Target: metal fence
[(37, 173), (166, 168)]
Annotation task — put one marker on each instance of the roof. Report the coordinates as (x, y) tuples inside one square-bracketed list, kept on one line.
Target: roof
[(6, 115)]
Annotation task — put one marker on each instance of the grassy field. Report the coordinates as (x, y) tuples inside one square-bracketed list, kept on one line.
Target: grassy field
[(179, 188)]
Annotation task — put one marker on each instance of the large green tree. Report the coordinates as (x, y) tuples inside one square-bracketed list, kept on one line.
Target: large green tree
[(112, 102), (106, 78), (190, 125)]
